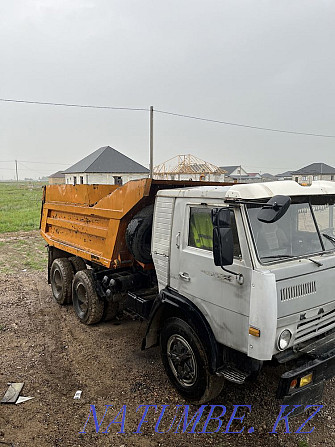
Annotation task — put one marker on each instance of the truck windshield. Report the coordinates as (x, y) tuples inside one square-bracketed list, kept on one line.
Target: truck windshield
[(306, 228)]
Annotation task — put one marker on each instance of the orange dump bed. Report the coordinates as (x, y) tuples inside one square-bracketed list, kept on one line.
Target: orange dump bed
[(90, 220)]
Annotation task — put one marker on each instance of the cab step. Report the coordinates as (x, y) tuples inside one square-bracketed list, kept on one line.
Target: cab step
[(232, 374)]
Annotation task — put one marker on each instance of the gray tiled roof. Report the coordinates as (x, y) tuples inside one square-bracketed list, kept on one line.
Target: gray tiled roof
[(58, 174), (107, 159), (285, 174), (229, 169), (316, 168)]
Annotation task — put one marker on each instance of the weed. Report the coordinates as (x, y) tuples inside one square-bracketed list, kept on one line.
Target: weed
[(20, 206)]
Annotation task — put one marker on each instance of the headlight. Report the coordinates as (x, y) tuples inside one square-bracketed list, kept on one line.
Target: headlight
[(284, 339)]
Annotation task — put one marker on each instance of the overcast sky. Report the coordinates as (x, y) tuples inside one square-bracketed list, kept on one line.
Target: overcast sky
[(264, 63)]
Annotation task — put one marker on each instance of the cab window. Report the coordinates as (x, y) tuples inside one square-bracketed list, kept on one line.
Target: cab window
[(200, 233)]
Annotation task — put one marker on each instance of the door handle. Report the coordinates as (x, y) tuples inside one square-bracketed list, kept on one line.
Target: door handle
[(185, 276), (178, 239)]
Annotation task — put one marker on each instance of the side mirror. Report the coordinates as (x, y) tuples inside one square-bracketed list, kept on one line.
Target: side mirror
[(223, 244), (274, 209), (221, 217)]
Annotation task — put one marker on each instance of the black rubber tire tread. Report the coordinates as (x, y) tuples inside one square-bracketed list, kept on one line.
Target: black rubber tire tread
[(63, 268), (207, 386), (95, 306), (77, 263), (138, 235), (110, 311)]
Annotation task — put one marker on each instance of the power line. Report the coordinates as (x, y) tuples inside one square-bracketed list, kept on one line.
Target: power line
[(83, 106), (29, 169), (36, 162), (180, 115), (44, 163), (268, 129)]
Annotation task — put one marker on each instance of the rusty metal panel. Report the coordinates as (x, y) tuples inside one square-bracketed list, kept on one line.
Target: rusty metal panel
[(85, 219), (90, 220), (79, 194)]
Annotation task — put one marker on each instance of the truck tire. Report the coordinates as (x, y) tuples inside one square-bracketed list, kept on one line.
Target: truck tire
[(138, 235), (61, 275), (186, 363), (77, 263), (87, 305)]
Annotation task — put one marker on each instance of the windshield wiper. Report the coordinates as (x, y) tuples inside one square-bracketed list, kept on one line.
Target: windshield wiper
[(278, 256), (319, 264), (330, 238)]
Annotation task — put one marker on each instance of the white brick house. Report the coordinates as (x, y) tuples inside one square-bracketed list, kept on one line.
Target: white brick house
[(314, 171), (105, 166)]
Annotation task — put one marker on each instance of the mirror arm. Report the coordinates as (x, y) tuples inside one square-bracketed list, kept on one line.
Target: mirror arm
[(239, 277), (249, 202)]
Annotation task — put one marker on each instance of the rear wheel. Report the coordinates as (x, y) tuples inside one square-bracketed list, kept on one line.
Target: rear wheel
[(77, 263), (87, 305), (186, 363), (61, 275)]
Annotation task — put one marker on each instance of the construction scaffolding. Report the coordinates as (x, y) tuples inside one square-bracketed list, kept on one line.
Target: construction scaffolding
[(188, 167)]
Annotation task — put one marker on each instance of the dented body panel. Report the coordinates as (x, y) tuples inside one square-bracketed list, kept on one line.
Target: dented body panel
[(90, 220)]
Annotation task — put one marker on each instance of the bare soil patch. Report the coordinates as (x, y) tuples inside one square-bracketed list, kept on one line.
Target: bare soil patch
[(45, 346)]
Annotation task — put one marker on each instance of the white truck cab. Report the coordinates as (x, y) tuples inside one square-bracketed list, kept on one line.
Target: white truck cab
[(245, 275)]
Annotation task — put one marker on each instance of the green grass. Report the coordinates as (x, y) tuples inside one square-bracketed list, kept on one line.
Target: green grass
[(23, 255), (20, 206)]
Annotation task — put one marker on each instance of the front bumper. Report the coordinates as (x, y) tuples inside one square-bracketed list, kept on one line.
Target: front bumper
[(320, 363)]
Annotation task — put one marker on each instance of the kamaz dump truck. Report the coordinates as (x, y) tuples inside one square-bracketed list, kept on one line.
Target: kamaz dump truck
[(227, 276)]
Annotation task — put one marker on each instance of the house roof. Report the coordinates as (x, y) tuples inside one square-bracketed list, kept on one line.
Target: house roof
[(107, 159), (268, 175), (229, 169), (186, 164), (315, 168), (285, 174), (58, 174)]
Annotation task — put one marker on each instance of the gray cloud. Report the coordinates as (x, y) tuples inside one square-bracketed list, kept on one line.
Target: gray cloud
[(264, 63)]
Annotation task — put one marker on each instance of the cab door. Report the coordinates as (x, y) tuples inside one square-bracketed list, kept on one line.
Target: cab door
[(193, 273)]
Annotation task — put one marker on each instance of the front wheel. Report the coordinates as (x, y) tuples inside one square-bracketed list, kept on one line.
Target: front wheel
[(186, 363), (87, 305)]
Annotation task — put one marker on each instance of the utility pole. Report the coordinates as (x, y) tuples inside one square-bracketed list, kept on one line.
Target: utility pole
[(151, 142), (17, 175)]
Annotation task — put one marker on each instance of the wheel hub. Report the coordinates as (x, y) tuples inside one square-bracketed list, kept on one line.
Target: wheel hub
[(58, 282), (182, 360), (82, 298)]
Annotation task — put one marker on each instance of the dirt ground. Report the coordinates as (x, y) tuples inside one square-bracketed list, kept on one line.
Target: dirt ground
[(45, 346)]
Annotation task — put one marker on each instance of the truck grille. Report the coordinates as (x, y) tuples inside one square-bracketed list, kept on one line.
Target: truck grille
[(297, 291), (316, 325)]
